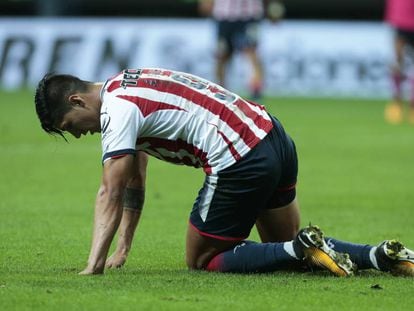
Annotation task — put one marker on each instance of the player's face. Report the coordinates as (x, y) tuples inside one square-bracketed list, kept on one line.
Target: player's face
[(79, 121)]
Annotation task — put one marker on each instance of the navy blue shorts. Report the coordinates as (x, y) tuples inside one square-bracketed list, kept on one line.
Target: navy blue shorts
[(229, 202), (236, 35)]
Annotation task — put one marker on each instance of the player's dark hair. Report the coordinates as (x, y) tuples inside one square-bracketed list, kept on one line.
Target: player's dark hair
[(52, 99)]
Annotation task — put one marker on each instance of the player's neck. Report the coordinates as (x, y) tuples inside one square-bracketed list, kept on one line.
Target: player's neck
[(95, 90)]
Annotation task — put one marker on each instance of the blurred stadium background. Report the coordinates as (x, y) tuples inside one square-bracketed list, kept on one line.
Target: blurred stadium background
[(321, 48), (355, 177), (298, 9)]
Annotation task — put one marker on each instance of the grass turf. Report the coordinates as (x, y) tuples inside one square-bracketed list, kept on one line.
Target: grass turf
[(355, 181)]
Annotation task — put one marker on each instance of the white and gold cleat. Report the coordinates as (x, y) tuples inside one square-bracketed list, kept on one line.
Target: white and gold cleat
[(394, 257), (318, 253)]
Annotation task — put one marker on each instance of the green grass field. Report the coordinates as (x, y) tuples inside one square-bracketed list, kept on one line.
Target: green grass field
[(356, 182)]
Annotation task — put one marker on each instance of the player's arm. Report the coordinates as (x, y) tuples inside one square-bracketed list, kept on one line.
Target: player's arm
[(133, 203), (108, 210)]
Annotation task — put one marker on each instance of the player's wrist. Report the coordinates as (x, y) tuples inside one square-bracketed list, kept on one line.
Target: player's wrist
[(93, 269), (123, 250)]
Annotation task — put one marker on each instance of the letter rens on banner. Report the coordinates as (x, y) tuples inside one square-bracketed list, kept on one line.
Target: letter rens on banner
[(300, 58)]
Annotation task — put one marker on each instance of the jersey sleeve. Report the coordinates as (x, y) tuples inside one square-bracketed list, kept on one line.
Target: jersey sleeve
[(119, 128)]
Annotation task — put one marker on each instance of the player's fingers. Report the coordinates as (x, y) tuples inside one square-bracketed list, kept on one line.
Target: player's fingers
[(110, 261), (114, 264), (118, 264)]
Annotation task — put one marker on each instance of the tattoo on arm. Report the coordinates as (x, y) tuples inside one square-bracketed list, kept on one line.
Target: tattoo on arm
[(134, 199)]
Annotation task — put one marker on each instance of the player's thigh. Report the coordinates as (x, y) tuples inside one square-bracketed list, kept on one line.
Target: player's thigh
[(223, 214), (280, 220), (246, 37), (225, 48), (227, 205), (279, 224), (200, 249)]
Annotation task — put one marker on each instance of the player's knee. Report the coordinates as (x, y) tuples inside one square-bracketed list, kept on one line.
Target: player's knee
[(195, 263), (201, 260)]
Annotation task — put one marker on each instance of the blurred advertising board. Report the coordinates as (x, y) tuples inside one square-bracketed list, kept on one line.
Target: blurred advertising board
[(301, 58)]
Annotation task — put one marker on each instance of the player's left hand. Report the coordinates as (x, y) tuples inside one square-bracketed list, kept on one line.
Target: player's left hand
[(116, 260)]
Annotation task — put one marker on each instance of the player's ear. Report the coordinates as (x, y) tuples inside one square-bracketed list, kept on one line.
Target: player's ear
[(76, 100)]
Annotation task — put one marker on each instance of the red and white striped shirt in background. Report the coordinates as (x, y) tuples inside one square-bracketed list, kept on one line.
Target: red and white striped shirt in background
[(236, 10), (179, 118), (400, 14)]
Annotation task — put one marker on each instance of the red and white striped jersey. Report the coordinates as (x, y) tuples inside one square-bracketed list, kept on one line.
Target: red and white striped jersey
[(179, 118), (232, 10)]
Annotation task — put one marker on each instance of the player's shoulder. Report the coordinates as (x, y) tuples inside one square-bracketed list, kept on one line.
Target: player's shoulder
[(118, 105), (111, 84)]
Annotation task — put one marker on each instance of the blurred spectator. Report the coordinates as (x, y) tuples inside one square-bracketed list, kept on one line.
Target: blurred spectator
[(400, 15), (58, 7), (237, 30)]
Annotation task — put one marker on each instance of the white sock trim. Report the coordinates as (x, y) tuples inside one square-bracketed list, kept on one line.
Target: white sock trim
[(288, 247), (373, 258)]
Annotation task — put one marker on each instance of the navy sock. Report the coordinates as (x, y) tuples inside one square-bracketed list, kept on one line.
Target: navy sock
[(359, 253), (250, 257)]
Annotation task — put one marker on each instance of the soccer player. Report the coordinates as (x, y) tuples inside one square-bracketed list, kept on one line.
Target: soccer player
[(249, 161), (237, 30), (400, 15)]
